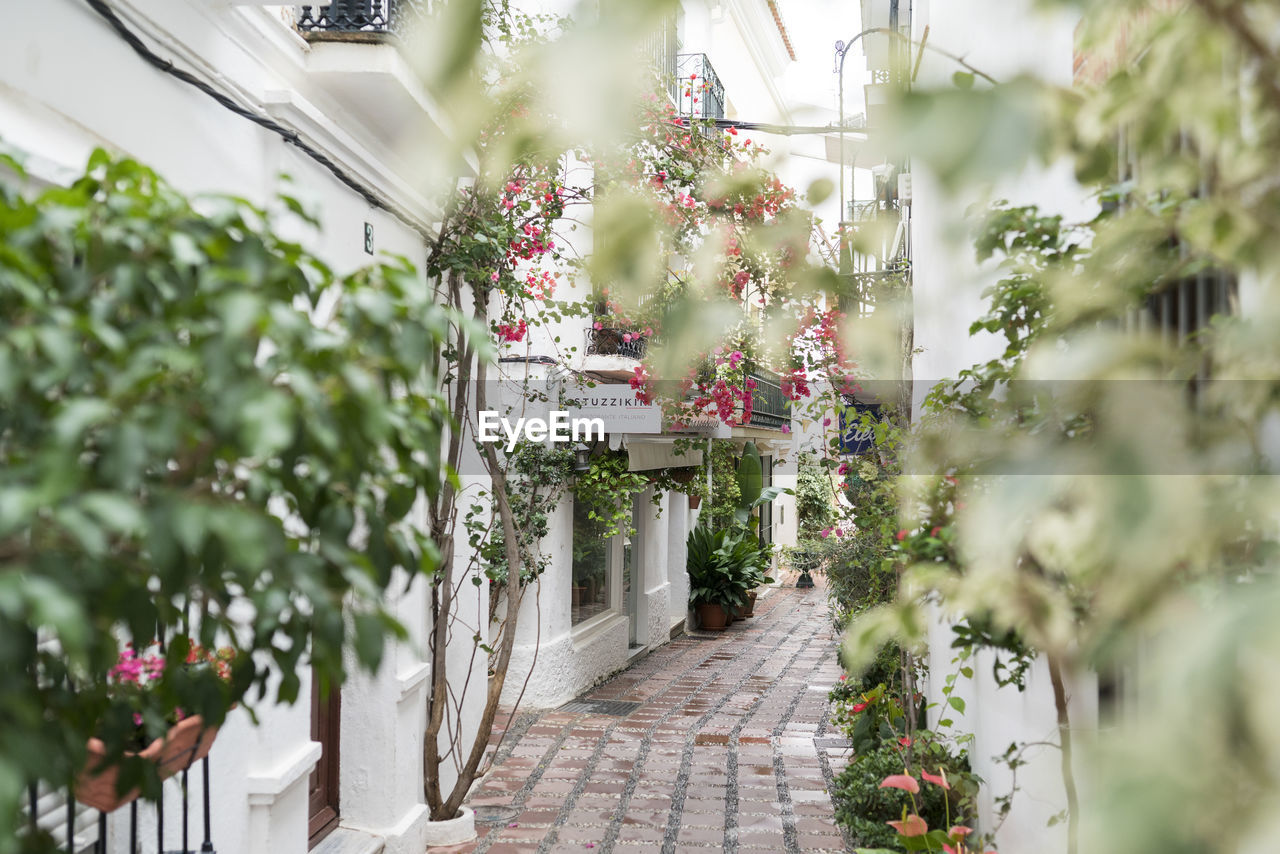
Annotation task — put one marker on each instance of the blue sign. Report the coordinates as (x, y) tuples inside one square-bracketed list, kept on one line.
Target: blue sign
[(854, 438)]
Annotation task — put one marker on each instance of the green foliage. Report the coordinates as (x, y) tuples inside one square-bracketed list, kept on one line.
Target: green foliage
[(608, 489), (814, 496), (863, 808), (724, 565), (185, 450), (750, 476), (719, 512), (1125, 513), (537, 478)]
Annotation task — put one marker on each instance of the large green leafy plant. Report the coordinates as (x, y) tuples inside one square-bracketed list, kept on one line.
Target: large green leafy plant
[(204, 434), (1125, 519)]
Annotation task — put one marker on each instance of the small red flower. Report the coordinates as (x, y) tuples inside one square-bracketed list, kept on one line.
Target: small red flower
[(935, 531), (904, 741), (859, 707), (902, 535)]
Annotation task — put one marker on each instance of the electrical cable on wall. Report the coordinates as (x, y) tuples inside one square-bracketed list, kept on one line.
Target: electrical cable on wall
[(287, 134)]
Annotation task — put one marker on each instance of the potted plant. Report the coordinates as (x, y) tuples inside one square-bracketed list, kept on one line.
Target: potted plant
[(757, 575), (717, 582), (186, 740)]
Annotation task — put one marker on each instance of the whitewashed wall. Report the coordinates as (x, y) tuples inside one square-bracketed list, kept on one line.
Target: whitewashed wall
[(69, 84), (1004, 39)]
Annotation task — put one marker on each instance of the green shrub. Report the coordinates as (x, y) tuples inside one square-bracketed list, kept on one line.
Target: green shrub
[(863, 807)]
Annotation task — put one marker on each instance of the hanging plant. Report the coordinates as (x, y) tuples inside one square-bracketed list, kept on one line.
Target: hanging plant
[(608, 490)]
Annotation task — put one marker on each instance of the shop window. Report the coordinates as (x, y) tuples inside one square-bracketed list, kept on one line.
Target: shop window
[(593, 562)]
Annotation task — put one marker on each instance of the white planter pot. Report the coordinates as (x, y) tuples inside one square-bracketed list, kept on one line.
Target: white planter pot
[(454, 831)]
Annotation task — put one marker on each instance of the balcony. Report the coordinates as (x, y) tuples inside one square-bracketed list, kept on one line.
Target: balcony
[(615, 342), (865, 211), (365, 96), (700, 94), (770, 408), (659, 50), (360, 20)]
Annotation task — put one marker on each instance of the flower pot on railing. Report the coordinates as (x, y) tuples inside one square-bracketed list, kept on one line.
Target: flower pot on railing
[(183, 745)]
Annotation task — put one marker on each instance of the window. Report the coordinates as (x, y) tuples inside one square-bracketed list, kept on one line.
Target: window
[(593, 563)]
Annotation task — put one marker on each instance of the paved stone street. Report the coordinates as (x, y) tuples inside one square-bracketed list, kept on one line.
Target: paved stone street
[(722, 745)]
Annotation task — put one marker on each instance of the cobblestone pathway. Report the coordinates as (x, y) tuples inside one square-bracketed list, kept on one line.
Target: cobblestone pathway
[(728, 750)]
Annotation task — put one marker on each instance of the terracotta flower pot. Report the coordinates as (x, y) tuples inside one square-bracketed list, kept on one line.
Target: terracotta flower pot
[(186, 743), (713, 618), (695, 501), (749, 610)]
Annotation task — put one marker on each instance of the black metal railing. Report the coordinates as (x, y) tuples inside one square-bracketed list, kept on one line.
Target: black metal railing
[(860, 292), (863, 211), (69, 824), (615, 342), (659, 50), (373, 18), (770, 408), (700, 94)]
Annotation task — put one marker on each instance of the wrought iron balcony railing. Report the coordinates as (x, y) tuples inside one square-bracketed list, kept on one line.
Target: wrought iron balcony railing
[(659, 49), (615, 342), (770, 408), (862, 211), (372, 18), (699, 92)]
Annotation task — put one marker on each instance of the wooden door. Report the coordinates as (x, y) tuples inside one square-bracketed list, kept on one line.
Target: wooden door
[(326, 718)]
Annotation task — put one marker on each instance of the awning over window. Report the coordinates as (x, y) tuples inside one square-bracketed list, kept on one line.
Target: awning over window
[(645, 455)]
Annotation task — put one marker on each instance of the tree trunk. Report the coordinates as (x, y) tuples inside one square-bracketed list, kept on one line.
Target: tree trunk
[(1064, 741)]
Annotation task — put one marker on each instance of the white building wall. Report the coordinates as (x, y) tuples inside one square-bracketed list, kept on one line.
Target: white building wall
[(68, 84), (1004, 39)]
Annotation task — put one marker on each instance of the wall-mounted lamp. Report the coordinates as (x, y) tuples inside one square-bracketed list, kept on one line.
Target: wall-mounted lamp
[(581, 457)]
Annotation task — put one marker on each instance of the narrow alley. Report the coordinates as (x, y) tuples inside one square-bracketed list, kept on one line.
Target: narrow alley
[(716, 741)]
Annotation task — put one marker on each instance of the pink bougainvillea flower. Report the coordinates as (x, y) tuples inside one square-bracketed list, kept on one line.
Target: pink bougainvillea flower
[(912, 825), (824, 533), (597, 326), (902, 534), (939, 779), (786, 428), (859, 707), (826, 422), (900, 781)]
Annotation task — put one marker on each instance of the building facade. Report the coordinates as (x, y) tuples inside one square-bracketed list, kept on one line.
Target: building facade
[(343, 771), (252, 99)]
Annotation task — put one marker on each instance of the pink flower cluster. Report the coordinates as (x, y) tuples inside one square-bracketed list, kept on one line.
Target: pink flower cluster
[(643, 384), (913, 825), (513, 333), (540, 287), (795, 385), (134, 669)]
